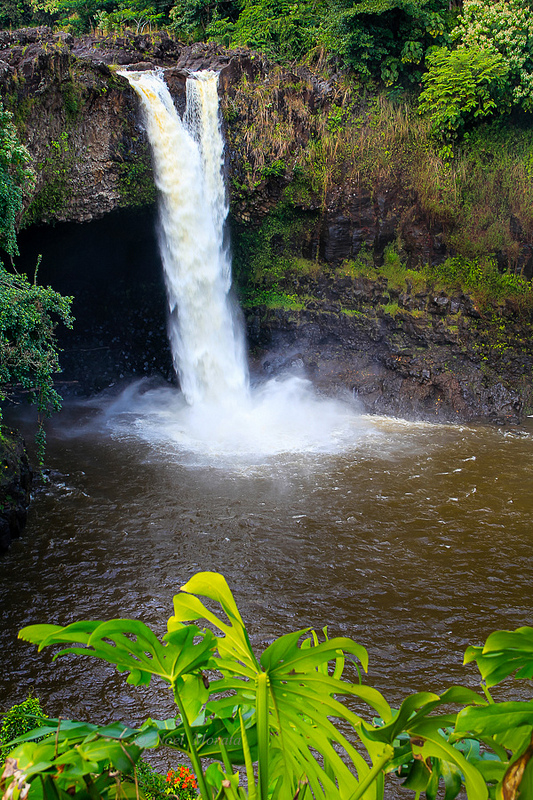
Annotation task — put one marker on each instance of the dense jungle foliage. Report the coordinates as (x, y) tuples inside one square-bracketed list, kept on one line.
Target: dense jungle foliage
[(294, 723), (472, 59)]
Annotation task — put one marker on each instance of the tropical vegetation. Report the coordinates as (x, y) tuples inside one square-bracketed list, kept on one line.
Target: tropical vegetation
[(473, 59), (29, 313), (295, 721)]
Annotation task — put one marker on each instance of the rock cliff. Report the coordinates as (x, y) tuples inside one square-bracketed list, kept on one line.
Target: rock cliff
[(15, 484), (418, 355), (80, 120), (425, 353)]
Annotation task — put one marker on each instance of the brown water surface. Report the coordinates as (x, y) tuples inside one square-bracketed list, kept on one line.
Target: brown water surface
[(415, 542)]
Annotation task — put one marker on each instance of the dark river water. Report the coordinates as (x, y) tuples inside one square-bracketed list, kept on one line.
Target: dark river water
[(415, 542)]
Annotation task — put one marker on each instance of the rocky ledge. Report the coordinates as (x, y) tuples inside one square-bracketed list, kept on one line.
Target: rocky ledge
[(80, 119), (420, 355), (15, 484)]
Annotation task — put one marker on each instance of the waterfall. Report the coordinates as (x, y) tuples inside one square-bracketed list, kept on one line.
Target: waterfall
[(216, 415), (205, 333)]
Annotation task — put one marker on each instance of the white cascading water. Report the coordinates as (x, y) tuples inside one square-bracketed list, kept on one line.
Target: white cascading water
[(216, 415), (188, 156)]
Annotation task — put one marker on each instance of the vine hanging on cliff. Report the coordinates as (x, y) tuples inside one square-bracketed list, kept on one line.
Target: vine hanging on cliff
[(16, 176)]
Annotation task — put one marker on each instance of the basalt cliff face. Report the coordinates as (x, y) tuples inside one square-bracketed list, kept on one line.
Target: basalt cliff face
[(15, 486), (81, 123), (80, 120), (417, 355), (420, 352)]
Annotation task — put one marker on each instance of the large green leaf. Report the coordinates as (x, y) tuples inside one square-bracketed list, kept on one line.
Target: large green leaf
[(235, 643), (504, 652), (131, 646), (494, 718), (418, 706), (71, 758), (428, 742), (301, 695)]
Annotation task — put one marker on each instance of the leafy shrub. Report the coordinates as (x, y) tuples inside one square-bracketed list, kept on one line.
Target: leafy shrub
[(28, 349), (16, 175), (20, 719), (461, 86), (490, 72), (482, 279), (387, 39), (179, 783), (29, 313), (191, 19), (280, 29), (503, 27), (152, 783)]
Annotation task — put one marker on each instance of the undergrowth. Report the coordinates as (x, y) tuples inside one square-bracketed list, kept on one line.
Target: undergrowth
[(478, 277), (17, 721), (354, 142)]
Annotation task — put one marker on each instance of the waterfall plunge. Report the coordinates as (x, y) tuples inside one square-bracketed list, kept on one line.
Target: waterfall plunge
[(215, 416)]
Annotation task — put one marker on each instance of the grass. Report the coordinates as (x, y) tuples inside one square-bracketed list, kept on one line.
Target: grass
[(482, 279), (272, 298), (352, 312), (479, 196), (397, 274), (392, 309)]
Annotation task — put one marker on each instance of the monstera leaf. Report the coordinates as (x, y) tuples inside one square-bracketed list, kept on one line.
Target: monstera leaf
[(291, 692), (131, 646), (280, 714)]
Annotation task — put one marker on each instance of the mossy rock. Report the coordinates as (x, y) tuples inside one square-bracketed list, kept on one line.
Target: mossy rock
[(15, 485)]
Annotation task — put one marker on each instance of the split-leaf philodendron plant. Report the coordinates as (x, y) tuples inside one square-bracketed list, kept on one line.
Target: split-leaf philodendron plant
[(277, 721)]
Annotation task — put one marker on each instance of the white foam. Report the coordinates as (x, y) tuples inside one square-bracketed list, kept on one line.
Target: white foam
[(280, 416)]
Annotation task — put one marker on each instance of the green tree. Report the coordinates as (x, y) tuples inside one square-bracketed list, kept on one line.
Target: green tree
[(190, 19), (286, 30), (387, 39), (462, 86), (503, 27), (77, 15), (15, 13)]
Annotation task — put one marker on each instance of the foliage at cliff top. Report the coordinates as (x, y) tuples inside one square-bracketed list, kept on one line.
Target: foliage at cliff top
[(473, 59), (490, 71)]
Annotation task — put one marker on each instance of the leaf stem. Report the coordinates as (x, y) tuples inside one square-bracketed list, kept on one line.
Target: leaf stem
[(486, 692), (252, 794), (193, 752), (261, 684), (374, 773)]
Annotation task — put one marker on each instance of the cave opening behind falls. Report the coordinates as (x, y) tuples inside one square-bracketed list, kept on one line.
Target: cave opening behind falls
[(217, 412)]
